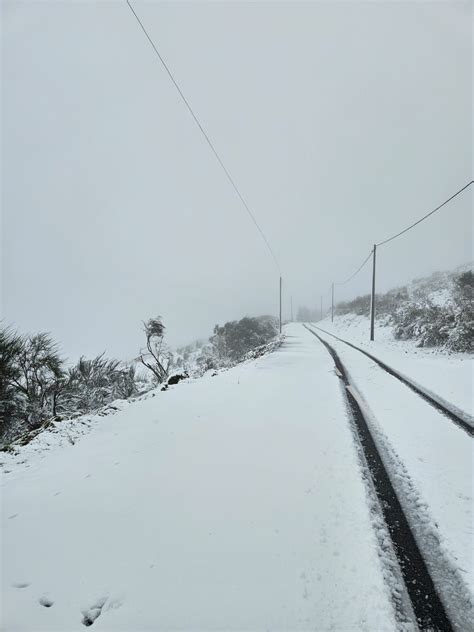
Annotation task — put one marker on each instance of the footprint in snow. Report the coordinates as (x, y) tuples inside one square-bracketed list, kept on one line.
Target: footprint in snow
[(12, 516), (92, 613), (20, 584), (46, 602)]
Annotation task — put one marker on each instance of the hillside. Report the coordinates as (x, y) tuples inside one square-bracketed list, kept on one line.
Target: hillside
[(433, 312)]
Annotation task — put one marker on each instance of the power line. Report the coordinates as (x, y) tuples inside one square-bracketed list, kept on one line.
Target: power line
[(357, 271), (229, 177), (427, 215), (405, 230)]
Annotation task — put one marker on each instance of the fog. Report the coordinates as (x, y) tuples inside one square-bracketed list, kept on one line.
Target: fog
[(340, 122)]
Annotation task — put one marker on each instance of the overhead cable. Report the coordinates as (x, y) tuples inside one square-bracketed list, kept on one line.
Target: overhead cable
[(219, 159), (426, 216), (357, 271)]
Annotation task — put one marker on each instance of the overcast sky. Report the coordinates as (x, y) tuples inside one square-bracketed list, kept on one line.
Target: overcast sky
[(340, 122)]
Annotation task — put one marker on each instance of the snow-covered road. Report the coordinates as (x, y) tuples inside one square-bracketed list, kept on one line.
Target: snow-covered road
[(430, 461), (233, 502), (435, 453), (450, 376)]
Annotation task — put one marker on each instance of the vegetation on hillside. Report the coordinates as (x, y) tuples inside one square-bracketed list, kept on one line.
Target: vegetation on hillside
[(436, 312), (38, 387), (229, 344)]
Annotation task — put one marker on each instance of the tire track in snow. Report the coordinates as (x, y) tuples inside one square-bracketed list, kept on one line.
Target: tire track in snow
[(462, 419), (426, 603)]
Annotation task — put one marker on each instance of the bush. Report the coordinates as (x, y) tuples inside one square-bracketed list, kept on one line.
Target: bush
[(360, 306), (386, 303), (461, 335), (420, 314), (93, 383), (429, 324), (35, 385), (236, 338)]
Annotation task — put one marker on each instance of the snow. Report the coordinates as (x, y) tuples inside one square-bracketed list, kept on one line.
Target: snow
[(441, 297), (234, 501), (431, 462), (449, 375)]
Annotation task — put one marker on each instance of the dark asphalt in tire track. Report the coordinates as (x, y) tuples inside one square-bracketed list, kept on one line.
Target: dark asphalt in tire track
[(427, 606), (446, 410)]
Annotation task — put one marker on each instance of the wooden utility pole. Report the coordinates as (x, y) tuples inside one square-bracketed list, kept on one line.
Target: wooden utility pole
[(332, 302), (280, 304), (372, 301)]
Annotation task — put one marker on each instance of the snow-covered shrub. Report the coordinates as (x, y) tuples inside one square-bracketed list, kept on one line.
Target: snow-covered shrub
[(437, 311), (207, 359), (93, 383), (228, 345), (461, 335), (236, 338), (36, 386), (264, 349), (427, 323), (386, 303), (360, 306), (448, 323)]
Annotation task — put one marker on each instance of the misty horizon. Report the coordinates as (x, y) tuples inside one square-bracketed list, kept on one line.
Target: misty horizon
[(115, 210)]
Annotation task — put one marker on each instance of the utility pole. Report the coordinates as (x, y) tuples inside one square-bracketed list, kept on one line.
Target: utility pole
[(372, 302), (332, 302), (280, 304), (291, 309), (321, 308)]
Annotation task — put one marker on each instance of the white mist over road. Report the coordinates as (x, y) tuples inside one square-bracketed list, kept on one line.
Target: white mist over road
[(340, 122)]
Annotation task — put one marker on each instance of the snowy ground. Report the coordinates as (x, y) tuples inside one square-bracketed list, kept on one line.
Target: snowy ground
[(230, 502), (448, 375), (233, 502), (432, 457)]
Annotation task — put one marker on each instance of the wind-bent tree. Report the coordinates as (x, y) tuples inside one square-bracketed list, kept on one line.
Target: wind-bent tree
[(156, 358)]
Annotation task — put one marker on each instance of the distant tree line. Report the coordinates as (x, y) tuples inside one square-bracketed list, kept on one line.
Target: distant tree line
[(229, 344)]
